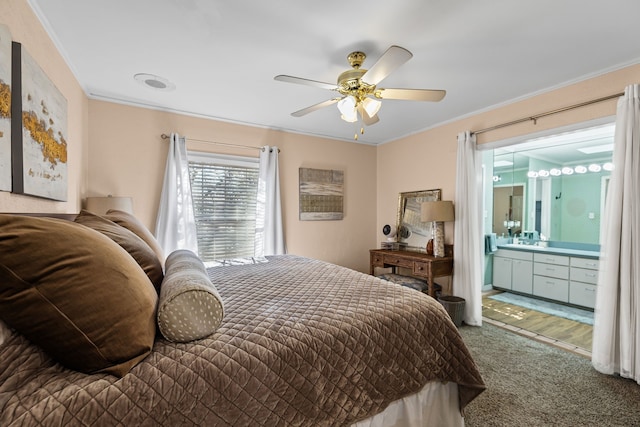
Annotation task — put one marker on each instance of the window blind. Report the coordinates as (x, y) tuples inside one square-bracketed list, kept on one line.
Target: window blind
[(224, 202)]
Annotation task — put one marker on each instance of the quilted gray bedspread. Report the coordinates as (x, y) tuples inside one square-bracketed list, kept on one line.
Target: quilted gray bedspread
[(303, 343)]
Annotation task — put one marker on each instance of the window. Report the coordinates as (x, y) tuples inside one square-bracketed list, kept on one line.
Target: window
[(224, 191)]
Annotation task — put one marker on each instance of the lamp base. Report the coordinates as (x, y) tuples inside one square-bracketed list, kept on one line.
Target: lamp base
[(429, 247), (438, 239)]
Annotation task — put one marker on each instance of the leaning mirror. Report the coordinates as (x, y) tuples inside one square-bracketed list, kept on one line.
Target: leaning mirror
[(410, 230)]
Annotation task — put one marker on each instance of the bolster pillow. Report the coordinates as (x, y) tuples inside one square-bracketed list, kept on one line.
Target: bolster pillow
[(190, 306)]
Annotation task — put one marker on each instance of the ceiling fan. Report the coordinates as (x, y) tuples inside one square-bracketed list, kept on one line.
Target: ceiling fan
[(359, 94)]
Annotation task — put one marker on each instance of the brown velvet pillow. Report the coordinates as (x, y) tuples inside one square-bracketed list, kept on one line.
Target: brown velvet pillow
[(75, 293), (130, 242), (134, 225)]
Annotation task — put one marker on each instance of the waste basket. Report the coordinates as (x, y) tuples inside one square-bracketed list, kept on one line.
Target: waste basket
[(454, 306)]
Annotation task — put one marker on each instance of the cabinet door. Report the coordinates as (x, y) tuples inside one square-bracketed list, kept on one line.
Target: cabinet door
[(522, 276), (502, 272)]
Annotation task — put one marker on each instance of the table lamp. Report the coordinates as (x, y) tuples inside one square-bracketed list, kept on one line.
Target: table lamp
[(437, 213), (100, 205)]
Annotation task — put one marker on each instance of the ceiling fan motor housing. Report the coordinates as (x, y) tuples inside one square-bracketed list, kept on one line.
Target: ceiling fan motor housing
[(350, 83)]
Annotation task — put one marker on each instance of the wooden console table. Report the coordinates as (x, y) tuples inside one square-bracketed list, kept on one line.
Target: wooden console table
[(421, 265)]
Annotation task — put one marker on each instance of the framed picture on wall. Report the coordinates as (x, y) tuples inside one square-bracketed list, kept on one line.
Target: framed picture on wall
[(39, 130), (321, 194), (5, 108)]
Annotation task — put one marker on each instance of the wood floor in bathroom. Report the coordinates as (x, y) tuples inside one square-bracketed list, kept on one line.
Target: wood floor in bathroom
[(564, 333)]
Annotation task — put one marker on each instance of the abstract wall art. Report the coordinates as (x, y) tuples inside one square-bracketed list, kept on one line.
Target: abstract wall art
[(39, 131)]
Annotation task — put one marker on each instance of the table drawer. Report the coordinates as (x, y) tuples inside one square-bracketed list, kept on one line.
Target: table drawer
[(398, 261), (584, 275), (551, 270), (377, 260), (420, 268)]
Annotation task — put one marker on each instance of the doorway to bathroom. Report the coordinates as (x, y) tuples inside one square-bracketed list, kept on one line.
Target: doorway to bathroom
[(543, 201)]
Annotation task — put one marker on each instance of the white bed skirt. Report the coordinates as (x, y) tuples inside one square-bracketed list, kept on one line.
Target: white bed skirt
[(435, 405)]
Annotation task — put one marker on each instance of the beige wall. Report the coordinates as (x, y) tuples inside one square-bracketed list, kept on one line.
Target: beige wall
[(428, 159), (116, 149), (26, 29), (127, 158)]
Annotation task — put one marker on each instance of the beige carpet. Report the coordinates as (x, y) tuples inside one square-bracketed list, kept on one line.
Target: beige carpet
[(533, 384)]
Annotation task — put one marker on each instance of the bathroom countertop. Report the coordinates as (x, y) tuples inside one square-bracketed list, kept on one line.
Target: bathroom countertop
[(558, 251)]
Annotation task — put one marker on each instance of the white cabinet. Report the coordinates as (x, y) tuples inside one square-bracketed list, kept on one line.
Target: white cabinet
[(562, 278), (583, 278), (513, 270)]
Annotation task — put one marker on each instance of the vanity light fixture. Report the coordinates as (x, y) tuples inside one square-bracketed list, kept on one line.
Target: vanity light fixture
[(567, 170)]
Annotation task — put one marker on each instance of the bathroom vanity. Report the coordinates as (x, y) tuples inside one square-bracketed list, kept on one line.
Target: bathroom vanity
[(567, 276)]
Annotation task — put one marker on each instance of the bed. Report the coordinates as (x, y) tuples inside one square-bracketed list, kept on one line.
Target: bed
[(296, 341)]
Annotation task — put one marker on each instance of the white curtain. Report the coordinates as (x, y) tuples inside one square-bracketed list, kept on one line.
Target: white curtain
[(176, 224), (269, 228), (616, 332), (468, 242)]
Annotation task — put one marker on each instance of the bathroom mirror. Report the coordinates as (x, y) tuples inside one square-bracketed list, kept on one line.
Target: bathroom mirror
[(411, 230), (555, 185)]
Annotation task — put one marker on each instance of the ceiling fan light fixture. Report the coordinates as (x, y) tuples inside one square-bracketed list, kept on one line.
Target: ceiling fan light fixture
[(371, 106)]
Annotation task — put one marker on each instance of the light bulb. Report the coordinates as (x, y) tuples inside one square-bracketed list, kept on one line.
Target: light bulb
[(347, 106), (581, 169)]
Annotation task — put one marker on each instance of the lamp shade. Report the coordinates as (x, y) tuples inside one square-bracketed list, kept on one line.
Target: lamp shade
[(439, 211), (100, 205)]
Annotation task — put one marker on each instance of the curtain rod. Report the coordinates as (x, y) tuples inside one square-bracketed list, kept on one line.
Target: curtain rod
[(548, 113), (246, 147)]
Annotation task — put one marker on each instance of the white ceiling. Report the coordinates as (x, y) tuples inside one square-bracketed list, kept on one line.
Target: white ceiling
[(222, 56)]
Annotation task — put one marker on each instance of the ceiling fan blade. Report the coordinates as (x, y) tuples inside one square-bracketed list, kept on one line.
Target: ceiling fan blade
[(306, 82), (315, 107), (391, 59), (366, 119), (411, 94)]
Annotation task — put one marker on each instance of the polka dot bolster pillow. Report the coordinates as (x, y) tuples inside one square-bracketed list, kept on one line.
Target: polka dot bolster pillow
[(190, 307)]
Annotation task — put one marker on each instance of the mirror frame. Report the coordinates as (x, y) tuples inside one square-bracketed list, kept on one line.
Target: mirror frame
[(420, 196)]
